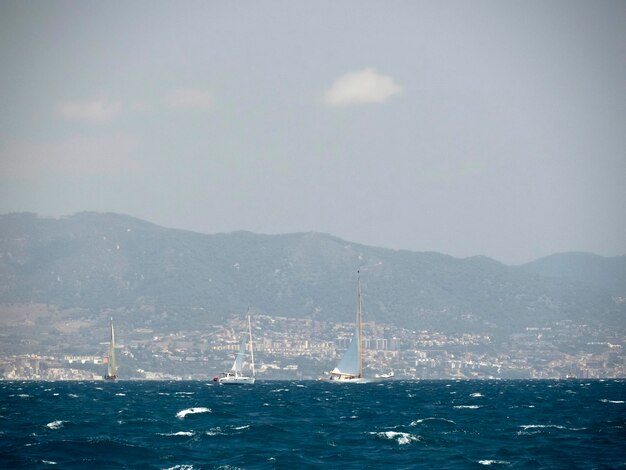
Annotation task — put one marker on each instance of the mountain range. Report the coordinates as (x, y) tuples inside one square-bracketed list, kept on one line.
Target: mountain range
[(102, 261)]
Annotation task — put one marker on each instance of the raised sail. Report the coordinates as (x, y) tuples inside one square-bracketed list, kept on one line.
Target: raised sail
[(238, 364), (350, 364), (111, 365), (350, 368), (236, 374)]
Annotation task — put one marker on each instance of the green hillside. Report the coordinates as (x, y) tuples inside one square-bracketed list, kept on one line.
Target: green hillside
[(98, 261)]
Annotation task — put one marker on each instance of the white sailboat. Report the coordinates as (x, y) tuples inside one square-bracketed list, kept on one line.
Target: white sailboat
[(236, 374), (350, 368), (111, 373)]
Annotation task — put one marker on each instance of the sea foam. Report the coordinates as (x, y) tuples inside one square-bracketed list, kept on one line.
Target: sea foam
[(401, 438), (54, 424), (191, 411)]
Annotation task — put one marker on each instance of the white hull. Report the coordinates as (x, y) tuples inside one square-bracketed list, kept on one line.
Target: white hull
[(346, 381), (236, 380)]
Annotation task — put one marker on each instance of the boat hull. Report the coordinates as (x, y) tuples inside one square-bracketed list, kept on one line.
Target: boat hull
[(356, 380), (236, 380)]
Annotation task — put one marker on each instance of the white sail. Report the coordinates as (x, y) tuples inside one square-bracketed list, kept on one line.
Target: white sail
[(111, 365), (238, 364), (349, 364), (350, 368), (236, 374)]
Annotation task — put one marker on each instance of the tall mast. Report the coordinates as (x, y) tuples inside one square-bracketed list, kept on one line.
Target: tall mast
[(251, 348), (359, 319), (112, 365)]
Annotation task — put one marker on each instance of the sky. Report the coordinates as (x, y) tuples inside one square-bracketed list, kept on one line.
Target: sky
[(467, 128)]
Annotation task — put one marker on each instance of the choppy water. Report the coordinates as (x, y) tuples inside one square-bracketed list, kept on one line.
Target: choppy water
[(438, 424)]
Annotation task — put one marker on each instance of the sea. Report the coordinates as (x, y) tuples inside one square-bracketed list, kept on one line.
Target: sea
[(538, 424)]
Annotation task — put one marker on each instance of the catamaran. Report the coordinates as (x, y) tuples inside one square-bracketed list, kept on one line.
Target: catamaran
[(235, 375), (350, 368), (111, 365)]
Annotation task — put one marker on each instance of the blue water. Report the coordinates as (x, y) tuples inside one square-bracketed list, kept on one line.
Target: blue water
[(428, 424)]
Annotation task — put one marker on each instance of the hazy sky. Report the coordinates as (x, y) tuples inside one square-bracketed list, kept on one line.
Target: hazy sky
[(482, 127)]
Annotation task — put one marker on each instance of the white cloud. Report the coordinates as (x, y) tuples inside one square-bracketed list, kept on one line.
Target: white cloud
[(364, 86), (188, 98), (77, 156), (98, 111)]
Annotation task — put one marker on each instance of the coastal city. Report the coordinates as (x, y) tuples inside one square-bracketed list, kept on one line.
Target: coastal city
[(305, 349)]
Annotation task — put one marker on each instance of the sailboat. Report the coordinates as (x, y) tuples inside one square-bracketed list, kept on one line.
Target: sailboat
[(350, 368), (235, 375), (111, 364)]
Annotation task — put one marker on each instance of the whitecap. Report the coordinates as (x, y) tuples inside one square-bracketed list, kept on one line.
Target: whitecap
[(543, 426), (179, 433), (184, 393), (120, 394), (604, 400), (49, 462), (191, 411), (494, 462), (180, 467), (476, 395), (215, 432), (401, 438), (538, 428), (423, 420), (72, 395), (55, 424), (467, 407)]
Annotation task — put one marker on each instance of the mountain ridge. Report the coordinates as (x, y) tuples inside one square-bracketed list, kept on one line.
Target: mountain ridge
[(93, 260)]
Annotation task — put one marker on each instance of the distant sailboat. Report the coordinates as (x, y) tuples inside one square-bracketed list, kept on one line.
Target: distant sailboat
[(350, 368), (111, 364), (235, 375)]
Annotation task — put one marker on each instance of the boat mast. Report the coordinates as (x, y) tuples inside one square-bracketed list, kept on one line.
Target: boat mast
[(251, 348), (359, 315)]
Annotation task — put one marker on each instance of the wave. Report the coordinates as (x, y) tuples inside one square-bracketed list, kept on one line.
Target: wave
[(424, 420), (538, 428), (191, 411), (402, 438), (55, 424), (179, 433), (230, 430)]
